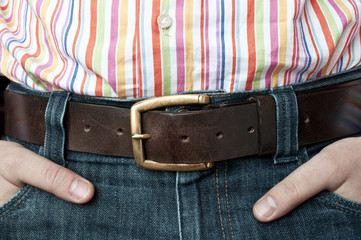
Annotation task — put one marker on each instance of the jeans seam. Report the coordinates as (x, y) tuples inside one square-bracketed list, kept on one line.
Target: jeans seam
[(219, 202), (178, 206), (338, 207), (227, 201), (18, 205)]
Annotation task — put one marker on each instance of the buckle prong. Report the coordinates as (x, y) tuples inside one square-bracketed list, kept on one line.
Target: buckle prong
[(138, 136), (141, 136)]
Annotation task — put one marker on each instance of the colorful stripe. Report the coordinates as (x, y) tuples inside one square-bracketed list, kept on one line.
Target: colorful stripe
[(223, 60), (121, 50), (166, 59), (282, 40), (115, 48), (157, 55), (202, 29), (288, 72), (274, 43), (206, 32), (251, 43), (259, 47), (112, 53), (179, 18), (234, 47), (188, 42), (238, 48)]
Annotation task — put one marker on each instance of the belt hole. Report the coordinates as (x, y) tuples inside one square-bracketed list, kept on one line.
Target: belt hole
[(219, 135), (120, 131), (307, 119), (185, 139), (251, 130), (87, 128)]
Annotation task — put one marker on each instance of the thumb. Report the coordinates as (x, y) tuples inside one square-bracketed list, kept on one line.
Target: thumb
[(302, 184), (25, 167)]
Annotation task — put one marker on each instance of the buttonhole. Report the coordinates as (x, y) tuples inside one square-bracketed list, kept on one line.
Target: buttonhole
[(219, 135), (87, 128), (185, 139), (251, 130), (307, 119), (120, 131)]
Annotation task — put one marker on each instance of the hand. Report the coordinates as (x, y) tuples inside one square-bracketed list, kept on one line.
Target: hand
[(337, 168), (20, 166)]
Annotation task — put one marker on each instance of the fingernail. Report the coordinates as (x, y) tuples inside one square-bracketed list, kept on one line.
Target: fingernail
[(79, 189), (266, 207)]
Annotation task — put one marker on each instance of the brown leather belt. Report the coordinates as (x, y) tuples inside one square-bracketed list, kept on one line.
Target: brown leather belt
[(192, 137)]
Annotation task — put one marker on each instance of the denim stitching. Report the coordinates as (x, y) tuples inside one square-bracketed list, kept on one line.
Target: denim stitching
[(227, 202), (286, 106), (219, 203), (19, 204), (54, 124), (178, 206), (338, 207)]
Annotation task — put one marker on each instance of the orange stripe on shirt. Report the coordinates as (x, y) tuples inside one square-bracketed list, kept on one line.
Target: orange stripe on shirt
[(83, 82), (5, 7), (325, 29), (157, 57), (251, 40)]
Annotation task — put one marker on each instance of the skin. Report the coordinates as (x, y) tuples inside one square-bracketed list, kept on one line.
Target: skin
[(336, 168), (19, 166)]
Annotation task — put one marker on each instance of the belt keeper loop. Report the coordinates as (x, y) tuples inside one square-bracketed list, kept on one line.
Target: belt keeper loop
[(267, 134), (54, 142)]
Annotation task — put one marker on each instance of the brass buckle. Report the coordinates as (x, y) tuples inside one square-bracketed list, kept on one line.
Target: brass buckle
[(138, 136)]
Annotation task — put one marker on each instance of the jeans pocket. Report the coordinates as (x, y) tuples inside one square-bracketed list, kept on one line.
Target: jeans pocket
[(16, 202), (327, 197), (341, 203)]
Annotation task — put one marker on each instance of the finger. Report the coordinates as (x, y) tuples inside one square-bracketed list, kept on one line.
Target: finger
[(24, 166), (305, 182), (7, 190)]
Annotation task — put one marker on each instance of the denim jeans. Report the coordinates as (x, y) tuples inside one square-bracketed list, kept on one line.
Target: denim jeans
[(134, 203)]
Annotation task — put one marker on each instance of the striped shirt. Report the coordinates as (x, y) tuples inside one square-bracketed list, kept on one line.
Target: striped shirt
[(117, 48)]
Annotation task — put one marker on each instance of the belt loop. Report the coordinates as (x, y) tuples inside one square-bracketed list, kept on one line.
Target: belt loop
[(54, 142), (287, 124)]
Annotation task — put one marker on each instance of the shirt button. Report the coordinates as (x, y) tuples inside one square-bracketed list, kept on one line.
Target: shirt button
[(164, 21)]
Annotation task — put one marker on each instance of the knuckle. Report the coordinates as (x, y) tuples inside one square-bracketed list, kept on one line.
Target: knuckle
[(291, 191), (55, 176)]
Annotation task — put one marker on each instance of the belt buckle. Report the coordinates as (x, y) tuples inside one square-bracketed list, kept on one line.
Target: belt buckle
[(138, 136)]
